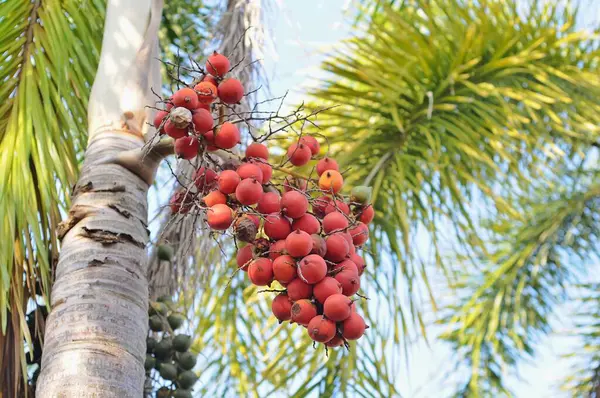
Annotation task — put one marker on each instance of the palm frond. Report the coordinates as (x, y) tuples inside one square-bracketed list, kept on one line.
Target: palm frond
[(503, 311), (49, 56), (584, 380)]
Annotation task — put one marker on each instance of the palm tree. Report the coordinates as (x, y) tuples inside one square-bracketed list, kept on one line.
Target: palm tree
[(456, 113)]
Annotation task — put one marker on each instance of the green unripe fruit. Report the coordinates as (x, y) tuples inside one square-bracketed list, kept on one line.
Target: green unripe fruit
[(164, 252), (187, 379), (182, 342), (157, 364), (163, 349), (179, 393), (361, 194), (150, 344), (168, 371), (186, 360), (150, 362), (163, 392), (158, 308), (156, 323), (175, 320)]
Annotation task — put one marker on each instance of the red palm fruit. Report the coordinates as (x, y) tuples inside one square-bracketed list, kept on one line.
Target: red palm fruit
[(294, 184), (158, 120), (298, 290), (346, 265), (367, 214), (294, 204), (336, 341), (326, 287), (228, 136), (312, 269), (249, 170), (228, 181), (312, 143), (277, 226), (335, 221), (349, 280), (277, 249), (186, 147), (352, 250), (231, 91), (353, 327), (326, 164), (202, 121), (215, 198), (181, 202), (217, 64), (360, 234), (307, 223), (204, 178), (282, 307), (320, 204), (210, 79), (206, 92), (319, 245), (219, 217), (209, 137), (248, 191), (331, 181), (284, 269), (266, 169), (337, 307), (257, 150), (303, 311), (269, 203), (337, 247), (348, 238), (298, 244), (244, 256), (260, 271), (185, 97), (172, 131), (321, 329), (299, 154), (169, 104), (337, 205), (203, 106), (359, 262)]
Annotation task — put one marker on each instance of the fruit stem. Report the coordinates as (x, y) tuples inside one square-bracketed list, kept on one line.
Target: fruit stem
[(290, 172)]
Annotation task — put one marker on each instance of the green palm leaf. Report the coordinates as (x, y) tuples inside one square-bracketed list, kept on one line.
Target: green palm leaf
[(49, 55), (504, 311)]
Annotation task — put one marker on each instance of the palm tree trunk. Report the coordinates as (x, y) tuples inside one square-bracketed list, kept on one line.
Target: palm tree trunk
[(96, 331)]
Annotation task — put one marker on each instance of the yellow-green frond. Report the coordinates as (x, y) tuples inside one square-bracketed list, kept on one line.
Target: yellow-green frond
[(48, 57)]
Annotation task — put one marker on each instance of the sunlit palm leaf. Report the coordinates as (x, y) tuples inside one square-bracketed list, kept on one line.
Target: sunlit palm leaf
[(503, 311), (49, 52)]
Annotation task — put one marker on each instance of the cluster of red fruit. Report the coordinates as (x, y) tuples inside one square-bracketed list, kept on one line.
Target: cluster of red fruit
[(188, 119), (302, 233)]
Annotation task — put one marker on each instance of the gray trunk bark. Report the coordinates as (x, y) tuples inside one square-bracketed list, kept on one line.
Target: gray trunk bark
[(96, 332)]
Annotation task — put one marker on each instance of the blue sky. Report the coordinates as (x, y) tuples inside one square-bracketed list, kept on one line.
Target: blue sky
[(304, 31)]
